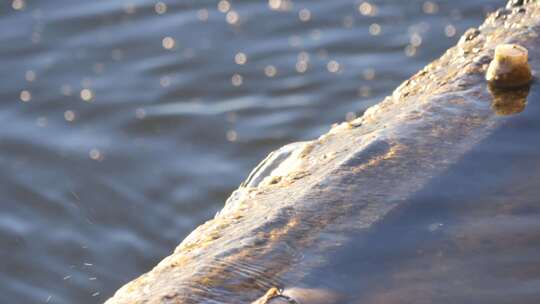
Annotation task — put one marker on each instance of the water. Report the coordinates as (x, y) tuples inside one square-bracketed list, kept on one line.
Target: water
[(128, 123)]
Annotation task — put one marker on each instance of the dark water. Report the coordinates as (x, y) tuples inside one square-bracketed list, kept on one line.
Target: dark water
[(127, 123)]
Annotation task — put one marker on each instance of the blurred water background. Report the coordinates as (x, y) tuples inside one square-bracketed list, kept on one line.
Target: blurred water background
[(125, 124)]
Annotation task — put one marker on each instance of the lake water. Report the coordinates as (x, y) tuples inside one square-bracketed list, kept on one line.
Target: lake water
[(128, 123)]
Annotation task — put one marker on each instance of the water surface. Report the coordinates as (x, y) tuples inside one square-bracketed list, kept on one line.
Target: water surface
[(127, 123)]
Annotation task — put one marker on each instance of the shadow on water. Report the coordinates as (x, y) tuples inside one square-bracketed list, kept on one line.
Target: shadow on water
[(471, 236)]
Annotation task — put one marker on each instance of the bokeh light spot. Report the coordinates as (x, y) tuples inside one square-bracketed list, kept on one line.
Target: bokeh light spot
[(168, 43), (160, 8), (25, 96), (270, 71), (69, 115), (240, 58), (237, 80), (375, 29), (87, 95)]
